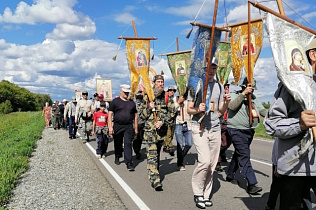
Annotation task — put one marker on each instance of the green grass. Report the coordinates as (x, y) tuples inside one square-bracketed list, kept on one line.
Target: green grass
[(19, 132), (261, 132)]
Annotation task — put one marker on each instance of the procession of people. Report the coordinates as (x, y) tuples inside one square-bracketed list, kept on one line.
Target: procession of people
[(133, 121)]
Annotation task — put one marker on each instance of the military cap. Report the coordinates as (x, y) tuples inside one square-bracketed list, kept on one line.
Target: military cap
[(157, 77)]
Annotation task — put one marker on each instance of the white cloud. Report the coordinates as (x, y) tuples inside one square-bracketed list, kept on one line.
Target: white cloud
[(191, 9), (43, 11), (69, 23)]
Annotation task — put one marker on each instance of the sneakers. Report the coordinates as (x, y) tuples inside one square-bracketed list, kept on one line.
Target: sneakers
[(99, 156), (158, 187), (117, 161), (233, 181), (130, 167), (181, 168), (208, 202), (218, 168), (199, 201), (254, 189)]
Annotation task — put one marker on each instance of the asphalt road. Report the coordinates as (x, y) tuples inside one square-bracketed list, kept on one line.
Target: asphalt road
[(136, 192)]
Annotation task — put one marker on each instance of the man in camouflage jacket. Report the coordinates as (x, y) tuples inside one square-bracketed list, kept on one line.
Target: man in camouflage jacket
[(155, 132)]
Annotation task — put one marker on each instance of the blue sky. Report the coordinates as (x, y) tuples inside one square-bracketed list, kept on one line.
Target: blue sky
[(58, 46)]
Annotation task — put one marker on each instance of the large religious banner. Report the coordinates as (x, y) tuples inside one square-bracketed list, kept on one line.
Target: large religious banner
[(224, 56), (138, 57), (78, 95), (179, 64), (288, 42), (239, 48), (104, 86), (199, 61)]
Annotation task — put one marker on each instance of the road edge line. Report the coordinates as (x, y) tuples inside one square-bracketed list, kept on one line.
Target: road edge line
[(139, 202)]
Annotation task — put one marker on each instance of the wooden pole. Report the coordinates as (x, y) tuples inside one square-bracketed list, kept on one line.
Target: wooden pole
[(208, 26), (249, 76), (266, 9), (243, 22), (280, 6), (181, 106), (209, 57), (135, 31)]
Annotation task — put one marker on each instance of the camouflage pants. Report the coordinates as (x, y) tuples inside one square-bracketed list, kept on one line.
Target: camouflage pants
[(84, 128), (153, 147), (56, 122), (169, 137)]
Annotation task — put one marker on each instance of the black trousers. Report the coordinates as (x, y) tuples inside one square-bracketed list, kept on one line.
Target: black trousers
[(137, 143), (275, 189), (295, 192), (125, 132)]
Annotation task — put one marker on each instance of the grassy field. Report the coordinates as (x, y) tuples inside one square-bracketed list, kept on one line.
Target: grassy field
[(261, 132), (19, 132)]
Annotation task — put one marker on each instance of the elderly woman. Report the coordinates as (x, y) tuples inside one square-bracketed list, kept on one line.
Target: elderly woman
[(46, 112)]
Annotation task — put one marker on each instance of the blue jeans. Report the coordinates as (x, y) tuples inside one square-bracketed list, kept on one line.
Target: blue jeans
[(72, 126), (181, 131), (241, 159)]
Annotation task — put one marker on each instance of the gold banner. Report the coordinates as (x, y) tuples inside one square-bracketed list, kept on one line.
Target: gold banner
[(138, 57), (239, 46)]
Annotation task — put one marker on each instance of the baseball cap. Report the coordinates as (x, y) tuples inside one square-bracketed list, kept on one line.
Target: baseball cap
[(65, 100), (126, 88), (310, 46), (101, 96), (245, 83), (214, 61), (95, 95), (171, 87)]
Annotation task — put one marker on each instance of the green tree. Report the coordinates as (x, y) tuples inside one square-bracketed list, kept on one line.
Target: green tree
[(6, 107)]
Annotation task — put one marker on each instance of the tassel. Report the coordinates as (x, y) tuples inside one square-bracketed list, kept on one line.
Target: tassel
[(114, 58), (162, 73), (152, 58), (189, 34)]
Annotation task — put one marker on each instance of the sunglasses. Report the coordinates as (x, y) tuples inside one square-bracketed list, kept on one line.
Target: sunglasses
[(172, 90)]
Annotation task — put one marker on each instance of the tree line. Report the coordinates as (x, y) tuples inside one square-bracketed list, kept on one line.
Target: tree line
[(15, 99)]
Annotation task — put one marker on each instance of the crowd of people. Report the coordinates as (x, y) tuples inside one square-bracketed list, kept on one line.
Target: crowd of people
[(136, 121)]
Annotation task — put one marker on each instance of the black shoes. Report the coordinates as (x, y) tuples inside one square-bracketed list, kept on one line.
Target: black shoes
[(130, 167), (158, 187), (218, 168), (233, 181), (254, 189), (171, 153), (165, 149), (117, 161), (199, 202)]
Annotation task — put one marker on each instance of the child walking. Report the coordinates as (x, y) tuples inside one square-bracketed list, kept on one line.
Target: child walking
[(99, 127)]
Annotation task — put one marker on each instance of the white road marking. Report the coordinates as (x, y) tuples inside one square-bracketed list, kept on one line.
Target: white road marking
[(258, 161), (141, 205)]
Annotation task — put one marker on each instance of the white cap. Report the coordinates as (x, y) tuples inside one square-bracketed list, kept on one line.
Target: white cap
[(214, 61), (64, 100), (126, 88)]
